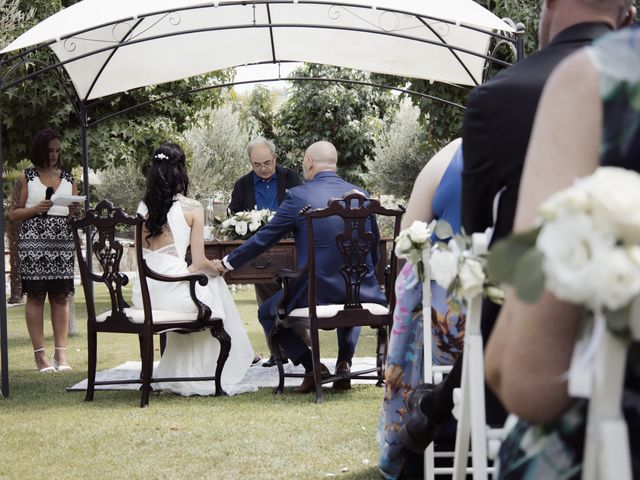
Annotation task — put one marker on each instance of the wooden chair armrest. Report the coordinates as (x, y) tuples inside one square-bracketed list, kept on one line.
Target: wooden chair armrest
[(204, 312), (282, 277)]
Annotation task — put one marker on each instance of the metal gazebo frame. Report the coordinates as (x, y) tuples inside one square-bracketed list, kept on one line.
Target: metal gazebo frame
[(10, 65)]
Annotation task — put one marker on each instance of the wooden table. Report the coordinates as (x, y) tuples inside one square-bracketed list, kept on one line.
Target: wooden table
[(262, 268), (282, 255)]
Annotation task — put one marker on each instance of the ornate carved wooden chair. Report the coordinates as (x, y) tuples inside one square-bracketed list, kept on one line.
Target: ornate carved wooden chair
[(355, 244), (102, 223)]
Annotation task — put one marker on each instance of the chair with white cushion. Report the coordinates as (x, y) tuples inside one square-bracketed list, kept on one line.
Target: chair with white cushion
[(355, 243), (103, 223)]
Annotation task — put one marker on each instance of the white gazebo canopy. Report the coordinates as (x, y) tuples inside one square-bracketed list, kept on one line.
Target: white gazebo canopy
[(113, 46)]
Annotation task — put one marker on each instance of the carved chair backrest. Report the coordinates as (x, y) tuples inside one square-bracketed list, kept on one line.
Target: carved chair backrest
[(103, 223), (355, 240)]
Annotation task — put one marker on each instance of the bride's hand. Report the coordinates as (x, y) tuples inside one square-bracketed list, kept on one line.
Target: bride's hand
[(217, 264)]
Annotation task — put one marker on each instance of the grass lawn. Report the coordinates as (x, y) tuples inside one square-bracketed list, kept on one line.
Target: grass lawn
[(46, 432)]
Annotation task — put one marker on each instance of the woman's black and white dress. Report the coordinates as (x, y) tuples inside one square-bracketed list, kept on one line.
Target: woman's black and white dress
[(46, 247)]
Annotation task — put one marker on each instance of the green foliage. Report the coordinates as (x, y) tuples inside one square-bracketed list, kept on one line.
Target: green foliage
[(400, 153), (516, 261), (128, 137), (11, 20), (123, 185), (260, 107), (218, 143), (442, 121), (347, 115)]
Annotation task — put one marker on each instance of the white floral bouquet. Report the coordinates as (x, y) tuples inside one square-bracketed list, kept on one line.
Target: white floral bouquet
[(413, 244), (457, 265), (242, 225), (585, 250)]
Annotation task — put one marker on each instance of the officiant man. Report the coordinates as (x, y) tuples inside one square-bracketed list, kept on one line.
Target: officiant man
[(264, 187), (321, 184)]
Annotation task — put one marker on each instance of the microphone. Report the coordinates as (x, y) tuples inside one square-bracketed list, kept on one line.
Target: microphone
[(47, 196)]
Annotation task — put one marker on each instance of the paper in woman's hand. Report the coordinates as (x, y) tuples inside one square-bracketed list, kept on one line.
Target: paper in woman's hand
[(66, 200)]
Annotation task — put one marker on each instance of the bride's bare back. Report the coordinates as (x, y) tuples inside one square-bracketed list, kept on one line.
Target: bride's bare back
[(194, 216)]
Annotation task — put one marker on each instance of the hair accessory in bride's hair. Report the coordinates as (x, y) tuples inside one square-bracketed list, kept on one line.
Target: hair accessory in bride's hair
[(160, 156)]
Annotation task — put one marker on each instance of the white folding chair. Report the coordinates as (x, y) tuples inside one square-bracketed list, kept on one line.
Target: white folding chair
[(607, 453), (469, 405)]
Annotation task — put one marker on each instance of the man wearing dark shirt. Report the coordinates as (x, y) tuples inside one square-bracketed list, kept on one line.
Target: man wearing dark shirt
[(264, 187)]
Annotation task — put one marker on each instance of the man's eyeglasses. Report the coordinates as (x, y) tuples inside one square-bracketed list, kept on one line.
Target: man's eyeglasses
[(265, 164)]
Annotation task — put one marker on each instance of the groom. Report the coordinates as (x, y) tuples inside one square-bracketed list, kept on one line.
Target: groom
[(322, 184)]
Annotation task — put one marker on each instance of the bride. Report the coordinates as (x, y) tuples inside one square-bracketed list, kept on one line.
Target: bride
[(173, 223)]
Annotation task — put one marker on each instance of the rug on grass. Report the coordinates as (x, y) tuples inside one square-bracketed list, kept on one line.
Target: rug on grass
[(257, 376)]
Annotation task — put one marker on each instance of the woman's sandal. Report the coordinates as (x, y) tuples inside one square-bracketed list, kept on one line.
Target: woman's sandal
[(46, 369), (61, 367)]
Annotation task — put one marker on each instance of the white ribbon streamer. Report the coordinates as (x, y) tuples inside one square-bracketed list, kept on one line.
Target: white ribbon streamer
[(580, 374)]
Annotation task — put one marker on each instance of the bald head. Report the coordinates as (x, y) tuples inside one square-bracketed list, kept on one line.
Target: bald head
[(319, 157)]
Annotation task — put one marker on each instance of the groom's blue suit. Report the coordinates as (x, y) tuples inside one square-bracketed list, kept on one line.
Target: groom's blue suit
[(330, 287)]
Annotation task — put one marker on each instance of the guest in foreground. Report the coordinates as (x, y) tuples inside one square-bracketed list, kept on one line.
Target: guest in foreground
[(529, 353), (495, 138), (322, 184), (435, 195), (173, 223), (46, 247), (264, 188)]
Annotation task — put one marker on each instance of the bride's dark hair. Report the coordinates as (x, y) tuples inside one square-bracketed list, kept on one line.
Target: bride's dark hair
[(166, 177)]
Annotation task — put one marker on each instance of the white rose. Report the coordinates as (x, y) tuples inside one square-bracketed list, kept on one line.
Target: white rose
[(241, 228), (471, 277), (571, 200), (569, 246), (619, 279), (634, 253), (444, 267), (253, 226), (230, 222), (615, 194), (403, 245), (256, 216), (419, 232)]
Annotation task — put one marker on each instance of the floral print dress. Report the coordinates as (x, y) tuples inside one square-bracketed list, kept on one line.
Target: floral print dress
[(405, 355)]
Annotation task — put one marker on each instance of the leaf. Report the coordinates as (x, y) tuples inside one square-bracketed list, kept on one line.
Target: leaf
[(505, 254), (618, 321), (528, 277)]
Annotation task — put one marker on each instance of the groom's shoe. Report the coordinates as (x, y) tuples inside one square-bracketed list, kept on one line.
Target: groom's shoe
[(308, 383), (342, 367)]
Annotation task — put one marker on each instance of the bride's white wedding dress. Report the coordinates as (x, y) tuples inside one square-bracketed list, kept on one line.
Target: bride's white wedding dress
[(193, 354)]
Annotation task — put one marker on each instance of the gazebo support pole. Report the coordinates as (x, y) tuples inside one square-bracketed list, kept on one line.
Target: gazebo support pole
[(519, 41), (82, 114), (4, 336)]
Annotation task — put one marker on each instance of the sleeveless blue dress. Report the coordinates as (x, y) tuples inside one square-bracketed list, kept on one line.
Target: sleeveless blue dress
[(406, 343)]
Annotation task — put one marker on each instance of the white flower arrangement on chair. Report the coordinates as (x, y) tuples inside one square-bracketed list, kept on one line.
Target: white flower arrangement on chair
[(585, 250), (457, 265), (242, 225)]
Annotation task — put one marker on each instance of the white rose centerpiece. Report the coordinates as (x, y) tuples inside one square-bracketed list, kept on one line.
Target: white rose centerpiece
[(242, 225)]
